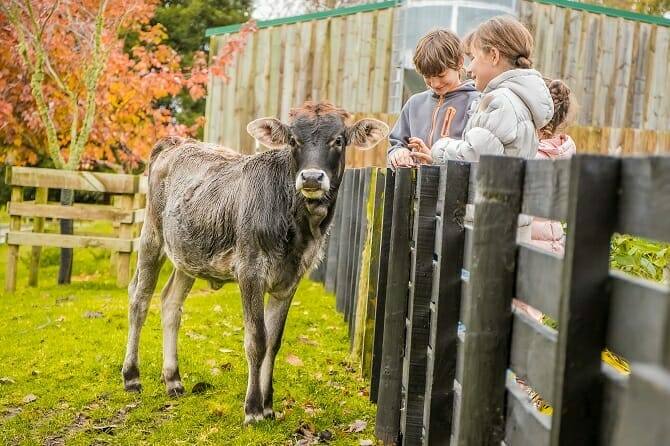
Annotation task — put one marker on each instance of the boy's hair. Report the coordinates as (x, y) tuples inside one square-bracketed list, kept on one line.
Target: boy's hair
[(437, 51), (564, 107), (508, 36)]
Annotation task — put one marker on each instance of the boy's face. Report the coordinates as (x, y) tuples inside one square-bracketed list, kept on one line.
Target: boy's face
[(444, 82)]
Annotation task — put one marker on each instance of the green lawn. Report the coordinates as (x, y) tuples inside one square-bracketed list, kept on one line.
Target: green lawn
[(61, 350)]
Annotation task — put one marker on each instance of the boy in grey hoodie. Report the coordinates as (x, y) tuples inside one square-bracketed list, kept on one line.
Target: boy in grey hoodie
[(443, 109)]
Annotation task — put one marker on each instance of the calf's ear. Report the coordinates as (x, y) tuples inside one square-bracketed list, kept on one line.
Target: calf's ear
[(366, 133), (270, 132)]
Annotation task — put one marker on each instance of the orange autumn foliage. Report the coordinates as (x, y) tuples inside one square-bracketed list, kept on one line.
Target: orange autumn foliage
[(127, 113)]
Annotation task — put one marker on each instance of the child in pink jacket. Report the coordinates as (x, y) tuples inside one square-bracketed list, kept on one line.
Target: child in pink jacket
[(554, 144)]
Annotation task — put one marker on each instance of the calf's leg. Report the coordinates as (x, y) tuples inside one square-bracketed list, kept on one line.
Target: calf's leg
[(276, 311), (150, 259), (172, 300), (252, 290)]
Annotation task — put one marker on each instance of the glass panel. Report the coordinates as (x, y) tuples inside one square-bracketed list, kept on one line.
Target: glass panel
[(418, 21), (469, 18)]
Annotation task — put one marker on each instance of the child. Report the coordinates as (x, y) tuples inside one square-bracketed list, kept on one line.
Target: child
[(554, 144), (515, 101), (440, 111)]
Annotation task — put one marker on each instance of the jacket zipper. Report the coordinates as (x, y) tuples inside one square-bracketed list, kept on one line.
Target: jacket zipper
[(432, 127)]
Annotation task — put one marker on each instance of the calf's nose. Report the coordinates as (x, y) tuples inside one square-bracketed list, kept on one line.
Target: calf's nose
[(312, 178)]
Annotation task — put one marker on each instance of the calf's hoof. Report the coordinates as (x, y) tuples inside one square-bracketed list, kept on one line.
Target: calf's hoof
[(253, 418), (268, 413), (175, 389), (131, 379)]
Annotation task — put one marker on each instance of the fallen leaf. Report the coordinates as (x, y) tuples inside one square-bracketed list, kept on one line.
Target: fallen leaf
[(7, 380), (29, 398), (225, 350), (211, 362), (295, 303), (325, 436), (106, 429), (218, 309), (202, 387), (226, 367), (294, 360), (93, 315), (366, 443), (357, 426), (305, 340), (196, 336), (60, 318)]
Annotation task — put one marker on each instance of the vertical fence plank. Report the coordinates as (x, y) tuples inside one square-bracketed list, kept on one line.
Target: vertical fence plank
[(13, 250), (584, 299), (124, 202), (351, 258), (344, 240), (488, 321), (388, 404), (382, 277), (373, 276), (446, 304), (41, 194), (367, 227), (418, 313), (334, 242)]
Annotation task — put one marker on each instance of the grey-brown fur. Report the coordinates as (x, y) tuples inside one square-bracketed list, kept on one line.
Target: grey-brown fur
[(225, 217)]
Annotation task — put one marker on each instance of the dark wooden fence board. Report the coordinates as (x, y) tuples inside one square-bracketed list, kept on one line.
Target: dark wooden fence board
[(446, 303), (334, 243), (538, 279), (416, 343), (384, 248), (644, 205), (594, 182), (524, 425), (533, 354), (344, 240), (373, 277), (637, 318), (387, 424), (488, 319), (545, 189)]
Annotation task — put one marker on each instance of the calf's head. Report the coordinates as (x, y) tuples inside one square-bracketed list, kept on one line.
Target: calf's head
[(317, 136)]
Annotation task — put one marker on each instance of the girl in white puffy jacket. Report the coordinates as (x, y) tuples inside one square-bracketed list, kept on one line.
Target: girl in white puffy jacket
[(515, 102)]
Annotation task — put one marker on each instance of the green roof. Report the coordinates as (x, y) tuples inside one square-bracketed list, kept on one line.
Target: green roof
[(596, 9), (305, 18)]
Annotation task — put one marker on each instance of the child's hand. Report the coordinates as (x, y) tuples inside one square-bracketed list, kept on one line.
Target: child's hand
[(401, 158), (420, 151)]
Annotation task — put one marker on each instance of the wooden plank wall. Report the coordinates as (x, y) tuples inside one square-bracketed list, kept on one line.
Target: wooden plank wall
[(617, 68), (345, 60)]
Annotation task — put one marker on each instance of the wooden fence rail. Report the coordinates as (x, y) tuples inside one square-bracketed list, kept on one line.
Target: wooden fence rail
[(126, 212), (452, 360)]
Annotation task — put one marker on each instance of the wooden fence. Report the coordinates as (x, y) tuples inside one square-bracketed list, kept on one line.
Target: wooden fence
[(615, 62), (416, 253), (127, 212)]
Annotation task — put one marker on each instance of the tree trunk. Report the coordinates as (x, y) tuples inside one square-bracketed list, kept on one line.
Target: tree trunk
[(66, 227)]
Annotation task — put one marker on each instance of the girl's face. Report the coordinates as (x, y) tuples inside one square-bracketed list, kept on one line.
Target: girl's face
[(444, 82), (485, 65)]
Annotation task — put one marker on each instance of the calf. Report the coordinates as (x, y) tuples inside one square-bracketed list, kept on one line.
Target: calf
[(259, 220)]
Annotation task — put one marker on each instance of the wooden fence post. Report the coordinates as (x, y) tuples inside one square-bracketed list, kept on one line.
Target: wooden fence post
[(382, 277), (41, 196), (445, 304), (592, 210), (124, 202), (334, 243), (418, 313), (487, 311), (353, 249), (387, 425), (13, 251)]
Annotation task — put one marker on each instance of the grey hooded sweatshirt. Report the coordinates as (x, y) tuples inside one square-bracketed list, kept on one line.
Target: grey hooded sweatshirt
[(504, 120), (431, 117)]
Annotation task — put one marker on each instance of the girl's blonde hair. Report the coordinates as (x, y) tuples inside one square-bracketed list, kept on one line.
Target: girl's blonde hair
[(508, 36), (565, 108)]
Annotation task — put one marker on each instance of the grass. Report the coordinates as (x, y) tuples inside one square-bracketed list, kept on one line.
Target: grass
[(64, 346)]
